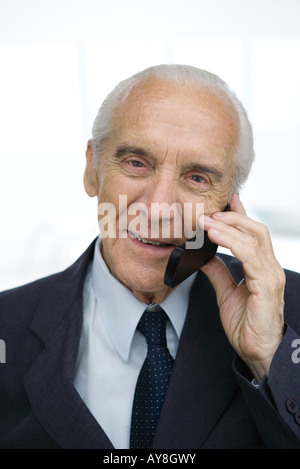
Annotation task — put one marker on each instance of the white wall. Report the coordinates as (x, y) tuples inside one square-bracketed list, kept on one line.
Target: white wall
[(59, 59)]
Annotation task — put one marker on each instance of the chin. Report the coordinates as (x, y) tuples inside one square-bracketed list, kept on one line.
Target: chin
[(134, 269), (143, 280)]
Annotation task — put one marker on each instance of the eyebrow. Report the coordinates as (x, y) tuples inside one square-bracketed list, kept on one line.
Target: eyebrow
[(188, 166), (126, 149)]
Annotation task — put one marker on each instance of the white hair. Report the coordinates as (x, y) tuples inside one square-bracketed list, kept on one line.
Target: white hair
[(180, 75)]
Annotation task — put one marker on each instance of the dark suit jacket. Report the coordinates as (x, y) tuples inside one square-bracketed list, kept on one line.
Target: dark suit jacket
[(210, 402)]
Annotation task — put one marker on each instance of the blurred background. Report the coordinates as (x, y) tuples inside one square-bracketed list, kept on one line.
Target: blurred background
[(60, 58)]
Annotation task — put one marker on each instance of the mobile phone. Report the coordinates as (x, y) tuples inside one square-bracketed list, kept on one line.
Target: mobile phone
[(184, 262)]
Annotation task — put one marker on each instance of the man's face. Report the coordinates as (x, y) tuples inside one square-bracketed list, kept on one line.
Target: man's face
[(168, 145)]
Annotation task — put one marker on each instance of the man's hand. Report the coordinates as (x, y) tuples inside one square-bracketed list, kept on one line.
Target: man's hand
[(252, 311)]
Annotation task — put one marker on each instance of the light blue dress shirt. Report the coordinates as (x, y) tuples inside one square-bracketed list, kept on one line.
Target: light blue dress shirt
[(111, 351)]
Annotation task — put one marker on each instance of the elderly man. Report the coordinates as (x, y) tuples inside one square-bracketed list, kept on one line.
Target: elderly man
[(105, 354)]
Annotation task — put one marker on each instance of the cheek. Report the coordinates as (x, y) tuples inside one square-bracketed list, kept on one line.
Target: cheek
[(211, 202), (219, 196), (217, 202), (108, 185), (114, 183), (116, 194)]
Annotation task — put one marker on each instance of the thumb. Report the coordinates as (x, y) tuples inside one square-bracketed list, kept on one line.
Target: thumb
[(220, 278)]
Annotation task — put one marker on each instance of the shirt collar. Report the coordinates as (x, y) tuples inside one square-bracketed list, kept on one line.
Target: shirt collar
[(121, 310)]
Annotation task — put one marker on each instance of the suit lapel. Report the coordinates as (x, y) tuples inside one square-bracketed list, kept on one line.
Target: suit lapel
[(202, 381), (49, 383)]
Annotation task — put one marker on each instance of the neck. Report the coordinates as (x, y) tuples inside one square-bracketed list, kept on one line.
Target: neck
[(152, 297)]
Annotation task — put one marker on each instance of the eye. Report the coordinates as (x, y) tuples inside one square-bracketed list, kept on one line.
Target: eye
[(136, 163), (196, 181), (197, 178), (136, 167)]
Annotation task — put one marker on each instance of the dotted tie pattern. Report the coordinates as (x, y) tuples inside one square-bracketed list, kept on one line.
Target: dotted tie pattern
[(153, 379)]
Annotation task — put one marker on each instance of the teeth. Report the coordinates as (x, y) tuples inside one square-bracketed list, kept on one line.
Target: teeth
[(155, 243), (147, 241)]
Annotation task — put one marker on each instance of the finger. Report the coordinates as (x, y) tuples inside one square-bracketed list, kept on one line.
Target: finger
[(220, 278), (244, 246), (247, 225), (236, 205), (257, 266)]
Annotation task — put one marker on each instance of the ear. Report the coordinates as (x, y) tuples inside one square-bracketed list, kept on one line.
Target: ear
[(90, 179)]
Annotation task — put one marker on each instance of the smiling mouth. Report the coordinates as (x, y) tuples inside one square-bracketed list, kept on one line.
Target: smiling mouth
[(149, 241)]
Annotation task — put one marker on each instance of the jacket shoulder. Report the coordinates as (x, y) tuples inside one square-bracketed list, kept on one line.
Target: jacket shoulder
[(19, 303)]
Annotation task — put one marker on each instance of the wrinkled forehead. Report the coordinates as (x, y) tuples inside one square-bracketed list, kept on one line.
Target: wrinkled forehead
[(153, 97)]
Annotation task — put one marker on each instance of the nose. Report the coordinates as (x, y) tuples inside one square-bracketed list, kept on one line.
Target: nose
[(162, 190), (164, 208)]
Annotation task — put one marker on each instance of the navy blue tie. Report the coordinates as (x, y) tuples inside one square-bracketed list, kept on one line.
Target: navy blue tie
[(153, 379)]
